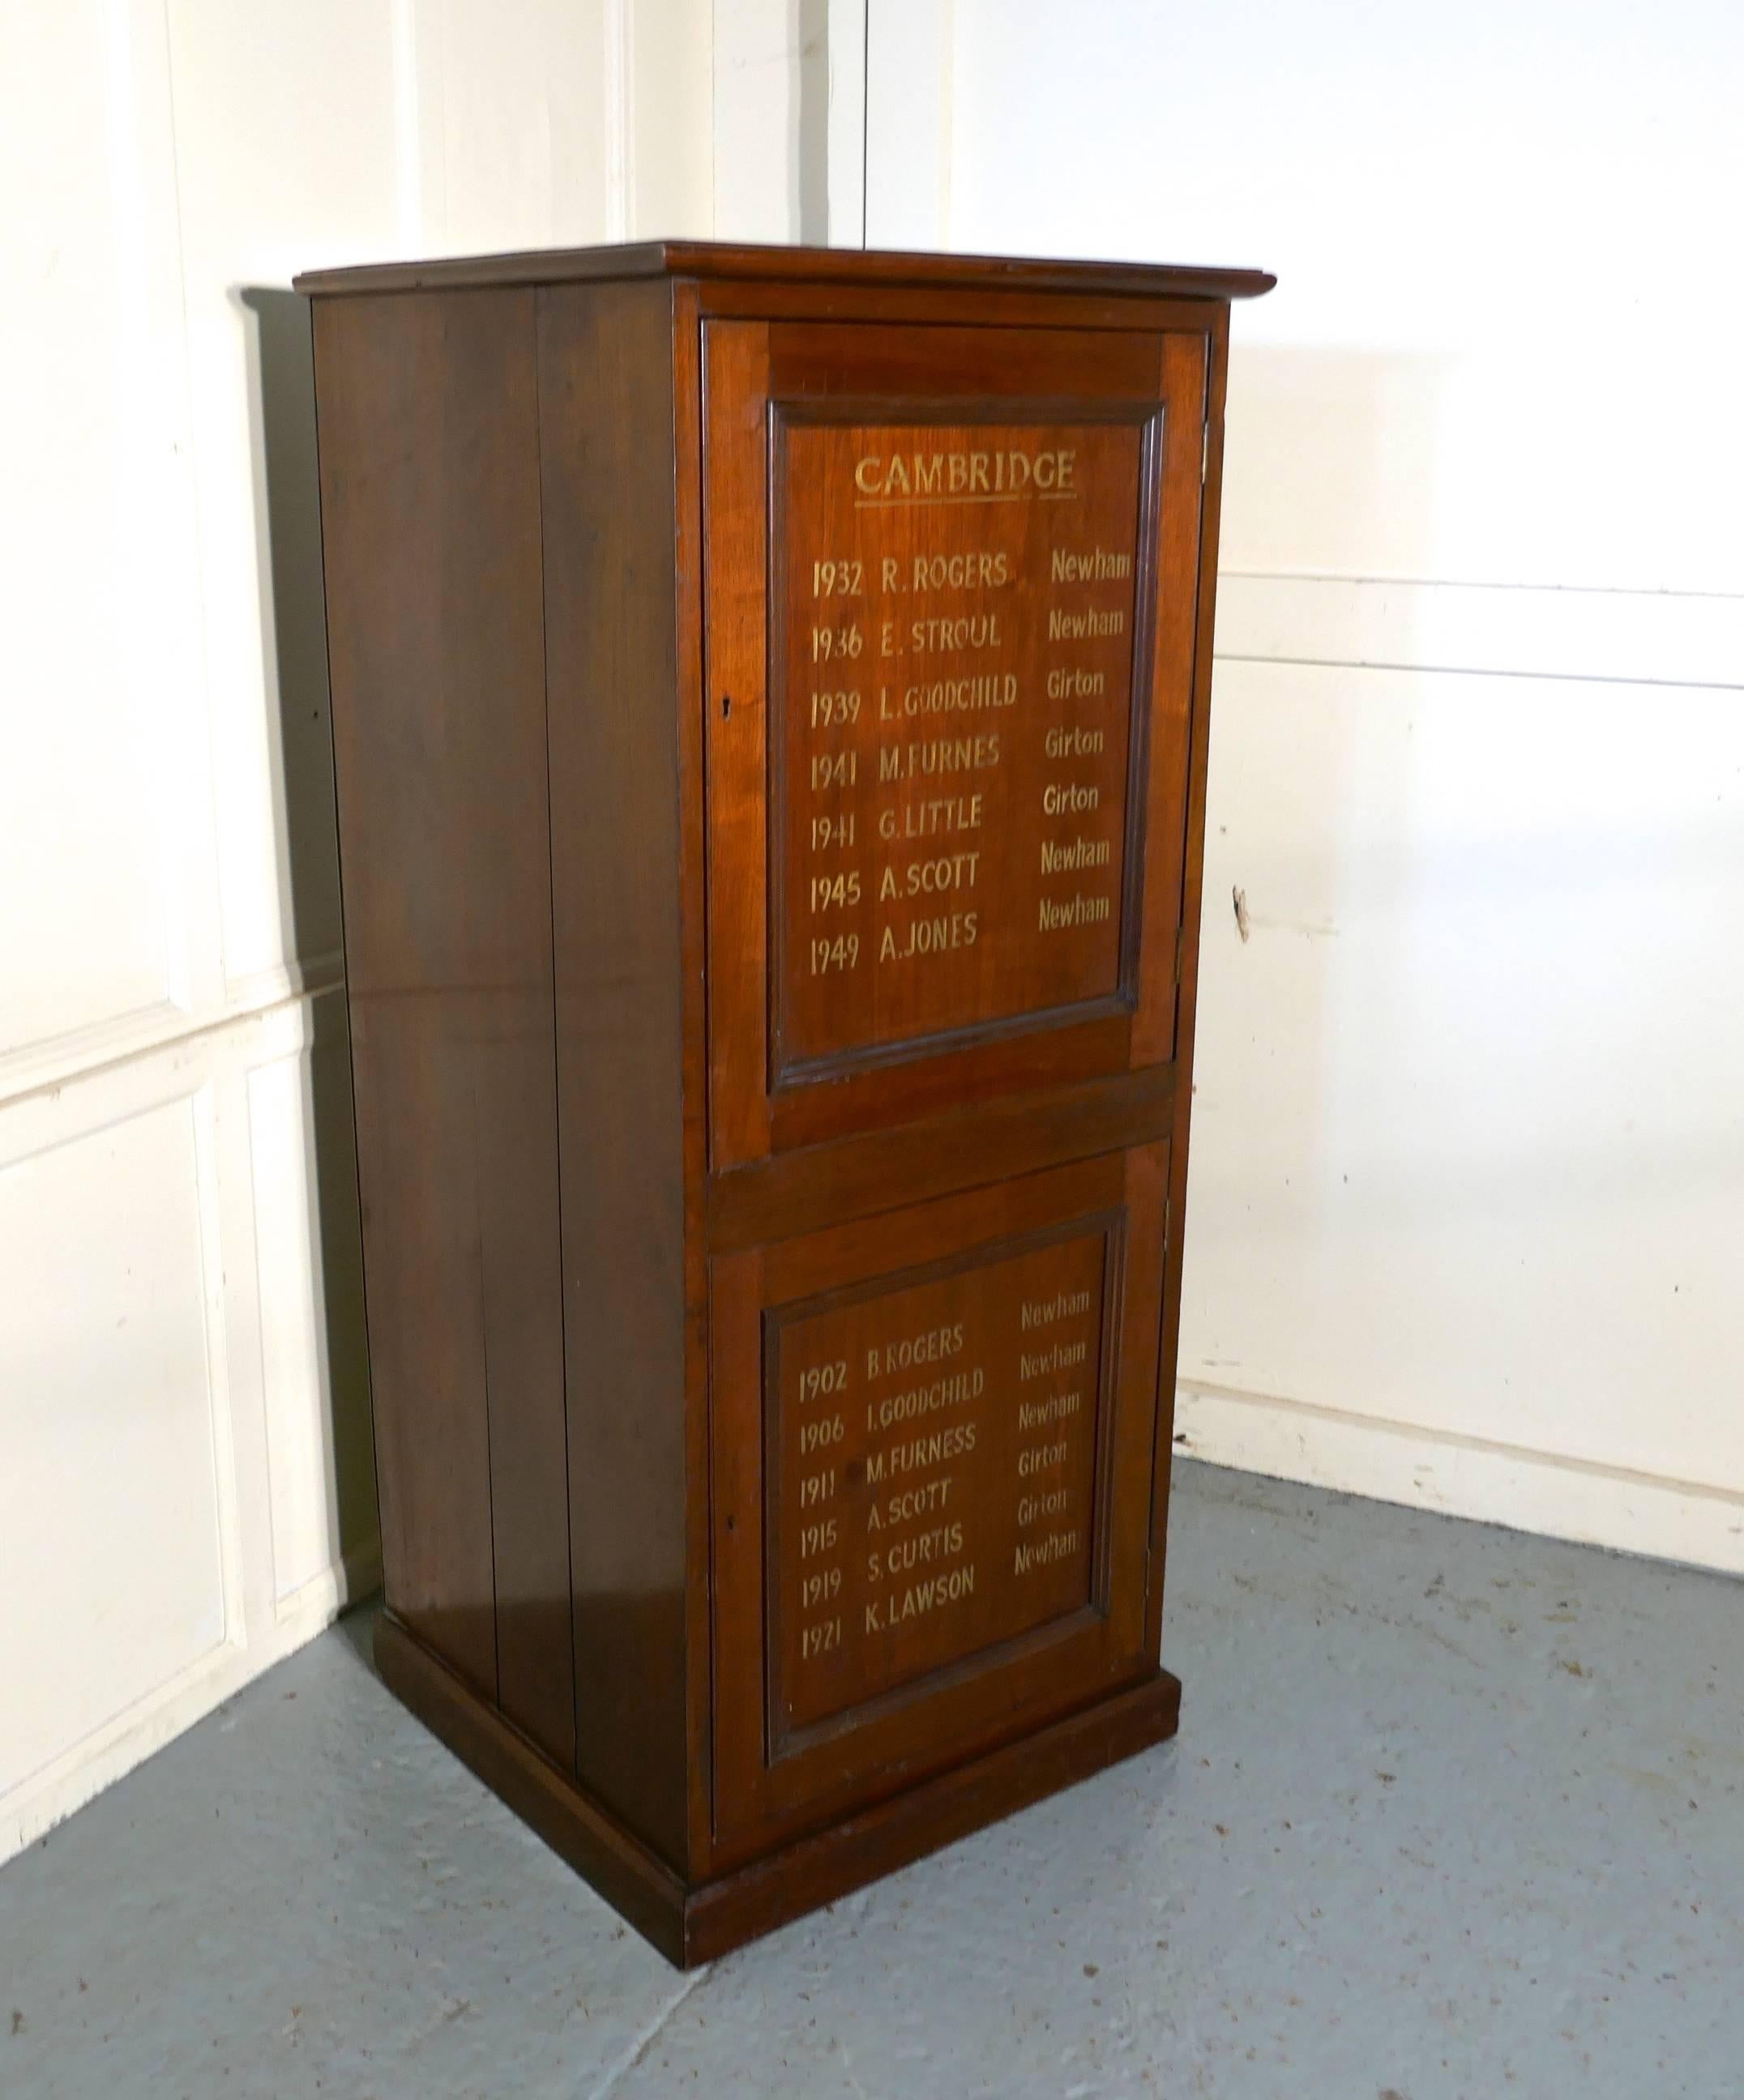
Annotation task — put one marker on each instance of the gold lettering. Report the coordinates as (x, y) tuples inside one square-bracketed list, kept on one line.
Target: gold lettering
[(977, 631), (1038, 1457), (958, 695), (930, 819), (942, 754), (920, 1453), (1073, 743), (910, 1503), (938, 1544), (921, 1598), (1081, 910), (1081, 853), (1075, 685), (1090, 626), (1064, 1305), (1100, 565), (1061, 1357), (1031, 1507), (933, 937), (1039, 1413), (920, 1400), (966, 477), (975, 570), (930, 1347), (1057, 1546), (949, 871)]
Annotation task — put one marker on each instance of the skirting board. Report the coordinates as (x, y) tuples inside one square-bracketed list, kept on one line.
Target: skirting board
[(81, 1771), (1556, 1497)]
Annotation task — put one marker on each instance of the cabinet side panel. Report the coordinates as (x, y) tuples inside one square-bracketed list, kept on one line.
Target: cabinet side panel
[(1192, 874), (428, 410), (606, 380)]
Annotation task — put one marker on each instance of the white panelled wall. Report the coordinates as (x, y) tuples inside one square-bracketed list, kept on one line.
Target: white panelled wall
[(1466, 1211), (1467, 1208), (185, 1478)]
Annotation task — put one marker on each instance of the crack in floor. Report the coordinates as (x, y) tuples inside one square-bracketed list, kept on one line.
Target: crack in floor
[(646, 2038)]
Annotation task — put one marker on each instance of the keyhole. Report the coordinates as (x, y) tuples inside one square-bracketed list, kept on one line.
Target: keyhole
[(726, 705)]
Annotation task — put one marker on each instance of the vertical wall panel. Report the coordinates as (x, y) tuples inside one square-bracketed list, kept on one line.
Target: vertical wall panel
[(1469, 1145), (313, 1370), (512, 125), (669, 119), (111, 1549), (320, 166), (96, 534)]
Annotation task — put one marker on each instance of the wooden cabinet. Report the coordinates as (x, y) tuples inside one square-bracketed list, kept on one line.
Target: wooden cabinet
[(770, 697)]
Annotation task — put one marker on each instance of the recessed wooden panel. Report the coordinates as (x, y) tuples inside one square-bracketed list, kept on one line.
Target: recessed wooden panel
[(954, 616), (932, 1474)]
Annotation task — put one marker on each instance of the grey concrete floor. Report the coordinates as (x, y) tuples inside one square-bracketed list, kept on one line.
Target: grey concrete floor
[(1453, 1812)]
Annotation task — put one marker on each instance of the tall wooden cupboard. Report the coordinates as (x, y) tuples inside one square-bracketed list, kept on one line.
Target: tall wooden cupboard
[(769, 695)]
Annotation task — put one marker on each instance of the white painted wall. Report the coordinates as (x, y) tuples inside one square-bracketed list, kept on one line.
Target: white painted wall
[(1466, 1220), (185, 1482)]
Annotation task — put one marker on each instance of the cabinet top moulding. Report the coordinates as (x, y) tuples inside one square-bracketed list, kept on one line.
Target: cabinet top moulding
[(771, 265)]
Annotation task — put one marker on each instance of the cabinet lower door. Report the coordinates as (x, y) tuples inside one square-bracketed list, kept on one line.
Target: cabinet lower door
[(932, 1455)]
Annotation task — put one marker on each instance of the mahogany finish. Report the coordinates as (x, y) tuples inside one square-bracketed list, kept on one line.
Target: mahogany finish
[(769, 694), (808, 267)]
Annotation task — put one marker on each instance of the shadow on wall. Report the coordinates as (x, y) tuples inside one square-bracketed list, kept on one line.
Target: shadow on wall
[(811, 123), (294, 626)]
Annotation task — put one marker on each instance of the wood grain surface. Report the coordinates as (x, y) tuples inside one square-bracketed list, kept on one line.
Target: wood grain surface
[(806, 267), (431, 524)]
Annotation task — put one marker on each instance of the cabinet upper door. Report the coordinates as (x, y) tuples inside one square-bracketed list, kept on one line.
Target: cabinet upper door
[(951, 596)]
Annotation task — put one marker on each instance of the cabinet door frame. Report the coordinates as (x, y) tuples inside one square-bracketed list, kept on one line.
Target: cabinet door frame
[(769, 1784), (760, 376)]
